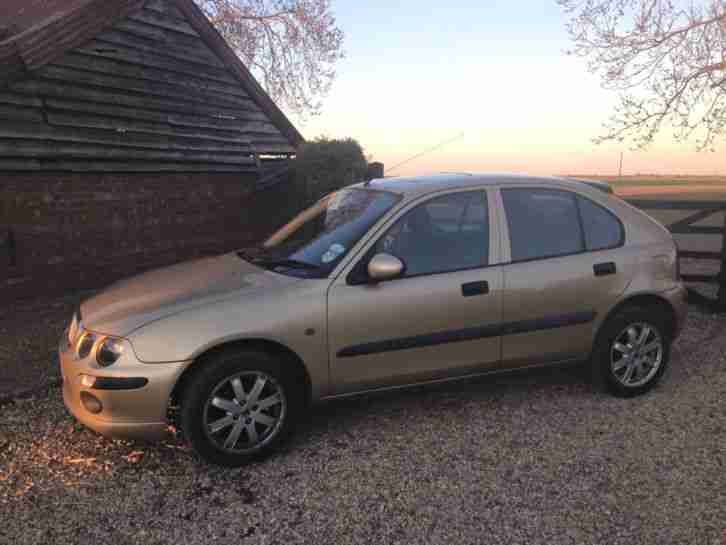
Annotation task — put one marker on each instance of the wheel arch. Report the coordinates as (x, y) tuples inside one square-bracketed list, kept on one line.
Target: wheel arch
[(643, 300), (264, 345)]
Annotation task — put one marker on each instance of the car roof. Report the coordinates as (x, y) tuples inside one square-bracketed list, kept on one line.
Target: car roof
[(412, 186)]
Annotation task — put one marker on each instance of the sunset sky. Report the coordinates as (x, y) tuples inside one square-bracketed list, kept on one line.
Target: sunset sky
[(418, 72)]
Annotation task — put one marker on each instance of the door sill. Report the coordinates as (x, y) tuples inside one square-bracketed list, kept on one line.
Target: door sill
[(431, 382)]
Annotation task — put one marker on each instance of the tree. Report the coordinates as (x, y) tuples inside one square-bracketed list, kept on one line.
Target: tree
[(667, 59), (291, 46)]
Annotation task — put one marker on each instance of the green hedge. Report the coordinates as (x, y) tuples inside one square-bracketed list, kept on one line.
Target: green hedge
[(324, 165)]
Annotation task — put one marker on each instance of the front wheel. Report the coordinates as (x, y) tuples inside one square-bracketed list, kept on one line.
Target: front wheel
[(240, 406), (632, 352)]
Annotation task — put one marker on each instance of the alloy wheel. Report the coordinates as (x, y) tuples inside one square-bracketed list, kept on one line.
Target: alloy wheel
[(244, 412), (636, 354)]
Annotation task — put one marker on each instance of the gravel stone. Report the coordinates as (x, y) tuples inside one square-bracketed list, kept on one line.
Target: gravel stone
[(528, 458)]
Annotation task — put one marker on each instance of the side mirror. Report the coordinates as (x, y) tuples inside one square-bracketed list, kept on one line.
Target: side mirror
[(384, 267)]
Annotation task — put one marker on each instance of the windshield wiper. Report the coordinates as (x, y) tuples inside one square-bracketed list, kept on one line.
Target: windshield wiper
[(291, 263), (258, 256)]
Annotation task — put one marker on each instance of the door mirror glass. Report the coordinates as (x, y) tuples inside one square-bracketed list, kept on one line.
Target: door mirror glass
[(384, 267)]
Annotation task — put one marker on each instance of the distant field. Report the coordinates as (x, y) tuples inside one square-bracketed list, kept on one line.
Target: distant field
[(692, 192), (652, 180)]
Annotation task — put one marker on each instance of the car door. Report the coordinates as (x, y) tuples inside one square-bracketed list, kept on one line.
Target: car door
[(440, 318), (566, 266)]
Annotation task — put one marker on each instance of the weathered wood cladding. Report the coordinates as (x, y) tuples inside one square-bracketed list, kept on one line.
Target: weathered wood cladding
[(147, 94)]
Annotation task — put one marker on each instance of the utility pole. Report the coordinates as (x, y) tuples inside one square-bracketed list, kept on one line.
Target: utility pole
[(620, 169)]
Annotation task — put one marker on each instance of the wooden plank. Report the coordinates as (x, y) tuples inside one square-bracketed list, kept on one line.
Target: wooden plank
[(19, 100), (273, 148), (52, 88), (255, 122), (691, 219), (707, 278), (99, 65), (143, 58), (59, 150), (141, 29), (72, 70), (64, 119), (165, 8), (647, 204), (696, 230), (20, 113), (20, 131), (178, 49), (152, 17), (18, 164), (721, 278), (8, 165), (157, 5), (67, 119), (699, 255)]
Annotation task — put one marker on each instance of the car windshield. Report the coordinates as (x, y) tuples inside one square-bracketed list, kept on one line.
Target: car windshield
[(315, 241)]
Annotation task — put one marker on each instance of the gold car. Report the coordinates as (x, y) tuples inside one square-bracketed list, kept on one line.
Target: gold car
[(381, 285)]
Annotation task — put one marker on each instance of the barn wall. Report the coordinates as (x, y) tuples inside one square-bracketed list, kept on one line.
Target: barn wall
[(81, 231), (146, 95)]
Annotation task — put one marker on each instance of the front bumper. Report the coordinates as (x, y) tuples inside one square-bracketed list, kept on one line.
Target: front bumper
[(137, 413)]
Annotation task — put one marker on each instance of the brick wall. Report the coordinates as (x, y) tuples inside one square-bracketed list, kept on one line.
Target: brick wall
[(80, 231)]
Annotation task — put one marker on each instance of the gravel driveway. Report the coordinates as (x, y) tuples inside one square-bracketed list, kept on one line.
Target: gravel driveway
[(527, 458)]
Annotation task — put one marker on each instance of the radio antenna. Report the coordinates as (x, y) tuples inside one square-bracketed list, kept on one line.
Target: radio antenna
[(429, 150)]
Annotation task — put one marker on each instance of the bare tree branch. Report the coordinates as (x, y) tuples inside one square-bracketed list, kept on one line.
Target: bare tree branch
[(667, 58), (291, 46)]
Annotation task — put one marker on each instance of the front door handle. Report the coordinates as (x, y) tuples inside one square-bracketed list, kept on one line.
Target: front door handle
[(470, 289), (602, 269)]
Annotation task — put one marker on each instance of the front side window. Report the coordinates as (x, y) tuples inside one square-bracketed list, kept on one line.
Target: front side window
[(444, 234), (542, 223), (317, 239)]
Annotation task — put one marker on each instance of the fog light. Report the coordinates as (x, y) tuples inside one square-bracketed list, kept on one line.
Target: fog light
[(87, 381), (91, 403)]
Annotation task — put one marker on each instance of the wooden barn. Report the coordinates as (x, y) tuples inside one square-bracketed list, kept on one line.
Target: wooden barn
[(131, 136)]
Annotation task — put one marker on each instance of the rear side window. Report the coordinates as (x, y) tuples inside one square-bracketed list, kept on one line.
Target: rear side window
[(602, 229), (542, 223)]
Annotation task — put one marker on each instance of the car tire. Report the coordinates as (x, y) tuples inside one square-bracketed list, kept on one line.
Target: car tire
[(626, 363), (240, 406)]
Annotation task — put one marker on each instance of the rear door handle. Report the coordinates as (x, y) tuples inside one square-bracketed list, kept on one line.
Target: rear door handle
[(602, 269), (471, 289)]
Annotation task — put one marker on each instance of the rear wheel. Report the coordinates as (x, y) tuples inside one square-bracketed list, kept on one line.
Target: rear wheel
[(240, 406), (632, 352)]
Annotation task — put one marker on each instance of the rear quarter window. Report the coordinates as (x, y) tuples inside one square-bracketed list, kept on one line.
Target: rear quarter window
[(603, 230)]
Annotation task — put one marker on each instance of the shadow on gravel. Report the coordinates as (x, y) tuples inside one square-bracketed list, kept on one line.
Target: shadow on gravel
[(442, 399)]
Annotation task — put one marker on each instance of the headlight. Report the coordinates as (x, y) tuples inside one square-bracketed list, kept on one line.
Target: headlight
[(86, 344), (109, 351), (73, 329)]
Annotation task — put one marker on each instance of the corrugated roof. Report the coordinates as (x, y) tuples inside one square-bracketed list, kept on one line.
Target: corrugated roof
[(37, 32)]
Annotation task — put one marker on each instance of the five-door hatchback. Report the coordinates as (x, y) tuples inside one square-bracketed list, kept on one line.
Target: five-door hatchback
[(391, 283)]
